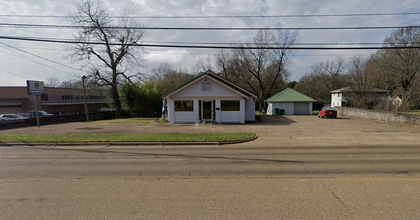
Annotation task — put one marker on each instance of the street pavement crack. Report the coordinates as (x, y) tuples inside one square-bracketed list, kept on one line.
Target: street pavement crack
[(338, 199), (335, 195)]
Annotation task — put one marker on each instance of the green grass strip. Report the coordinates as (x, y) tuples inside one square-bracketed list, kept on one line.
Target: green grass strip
[(415, 112), (162, 137)]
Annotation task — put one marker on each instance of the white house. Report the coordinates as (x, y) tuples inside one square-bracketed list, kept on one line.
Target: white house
[(340, 97), (293, 103), (209, 97)]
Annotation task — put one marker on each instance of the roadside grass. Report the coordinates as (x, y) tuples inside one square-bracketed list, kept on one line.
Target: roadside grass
[(315, 112), (129, 120), (415, 112), (162, 137)]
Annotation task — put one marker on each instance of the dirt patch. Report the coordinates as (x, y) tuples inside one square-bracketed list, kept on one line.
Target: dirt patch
[(88, 129)]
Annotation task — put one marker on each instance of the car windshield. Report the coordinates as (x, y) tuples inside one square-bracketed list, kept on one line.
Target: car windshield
[(329, 108)]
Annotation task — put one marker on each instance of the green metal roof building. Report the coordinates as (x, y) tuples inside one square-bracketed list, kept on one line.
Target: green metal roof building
[(289, 102)]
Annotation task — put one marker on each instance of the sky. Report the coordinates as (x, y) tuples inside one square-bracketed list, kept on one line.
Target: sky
[(28, 60)]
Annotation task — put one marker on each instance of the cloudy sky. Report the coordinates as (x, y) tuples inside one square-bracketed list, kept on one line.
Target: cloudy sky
[(27, 60)]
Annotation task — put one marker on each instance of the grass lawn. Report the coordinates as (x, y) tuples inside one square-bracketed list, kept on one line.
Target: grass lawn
[(130, 120), (164, 137), (416, 112)]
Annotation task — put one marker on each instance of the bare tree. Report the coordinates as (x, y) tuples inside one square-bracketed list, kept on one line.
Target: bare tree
[(52, 82), (312, 85), (400, 68), (257, 66), (405, 63), (360, 94), (330, 72), (107, 48), (169, 77), (203, 64)]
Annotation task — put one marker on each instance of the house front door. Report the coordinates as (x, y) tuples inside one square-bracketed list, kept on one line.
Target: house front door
[(207, 110)]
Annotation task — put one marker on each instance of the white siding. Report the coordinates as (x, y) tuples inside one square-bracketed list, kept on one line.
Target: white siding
[(194, 89), (242, 111), (311, 105), (217, 109), (217, 93), (336, 99), (250, 109), (185, 117), (182, 117), (230, 117), (171, 110), (289, 107)]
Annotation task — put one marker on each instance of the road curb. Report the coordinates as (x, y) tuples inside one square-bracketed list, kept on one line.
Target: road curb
[(132, 143), (239, 141)]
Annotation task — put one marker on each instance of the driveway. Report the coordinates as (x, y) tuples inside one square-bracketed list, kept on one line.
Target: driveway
[(272, 130)]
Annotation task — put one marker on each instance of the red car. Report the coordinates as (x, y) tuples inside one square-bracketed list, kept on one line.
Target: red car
[(327, 112)]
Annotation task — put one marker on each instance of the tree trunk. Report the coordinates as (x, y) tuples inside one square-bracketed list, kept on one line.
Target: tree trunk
[(117, 102)]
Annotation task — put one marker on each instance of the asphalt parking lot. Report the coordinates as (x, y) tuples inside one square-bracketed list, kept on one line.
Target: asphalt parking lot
[(289, 130)]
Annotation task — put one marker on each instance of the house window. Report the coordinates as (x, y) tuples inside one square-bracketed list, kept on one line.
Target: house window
[(206, 87), (184, 106), (230, 105), (10, 106), (44, 97)]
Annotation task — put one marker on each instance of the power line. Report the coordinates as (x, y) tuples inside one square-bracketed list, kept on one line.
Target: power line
[(293, 55), (34, 61), (12, 73), (52, 61), (53, 26), (228, 16), (207, 46), (271, 44)]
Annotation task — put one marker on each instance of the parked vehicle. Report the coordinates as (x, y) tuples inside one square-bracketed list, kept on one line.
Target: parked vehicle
[(8, 117), (327, 112), (32, 114), (103, 109)]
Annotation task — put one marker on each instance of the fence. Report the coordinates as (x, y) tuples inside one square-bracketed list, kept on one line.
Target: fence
[(379, 115), (56, 120)]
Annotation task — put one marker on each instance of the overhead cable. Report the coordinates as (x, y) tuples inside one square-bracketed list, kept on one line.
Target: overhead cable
[(225, 16), (53, 26), (208, 46)]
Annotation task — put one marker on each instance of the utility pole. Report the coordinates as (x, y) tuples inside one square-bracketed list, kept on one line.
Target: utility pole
[(84, 98)]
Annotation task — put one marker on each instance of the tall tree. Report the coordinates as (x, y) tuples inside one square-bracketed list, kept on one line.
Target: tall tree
[(141, 99), (169, 77), (52, 82), (260, 65), (360, 94), (109, 61), (313, 86), (330, 72), (401, 67)]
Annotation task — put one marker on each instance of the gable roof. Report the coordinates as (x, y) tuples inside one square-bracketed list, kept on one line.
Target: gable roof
[(348, 89), (215, 77), (290, 95)]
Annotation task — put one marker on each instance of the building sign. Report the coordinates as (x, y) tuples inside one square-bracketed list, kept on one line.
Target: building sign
[(35, 87)]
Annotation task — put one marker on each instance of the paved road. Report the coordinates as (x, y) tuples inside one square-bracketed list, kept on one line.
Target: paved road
[(210, 182), (300, 167), (226, 161)]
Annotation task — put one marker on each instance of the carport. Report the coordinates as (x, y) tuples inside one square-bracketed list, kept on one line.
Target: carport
[(291, 101)]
